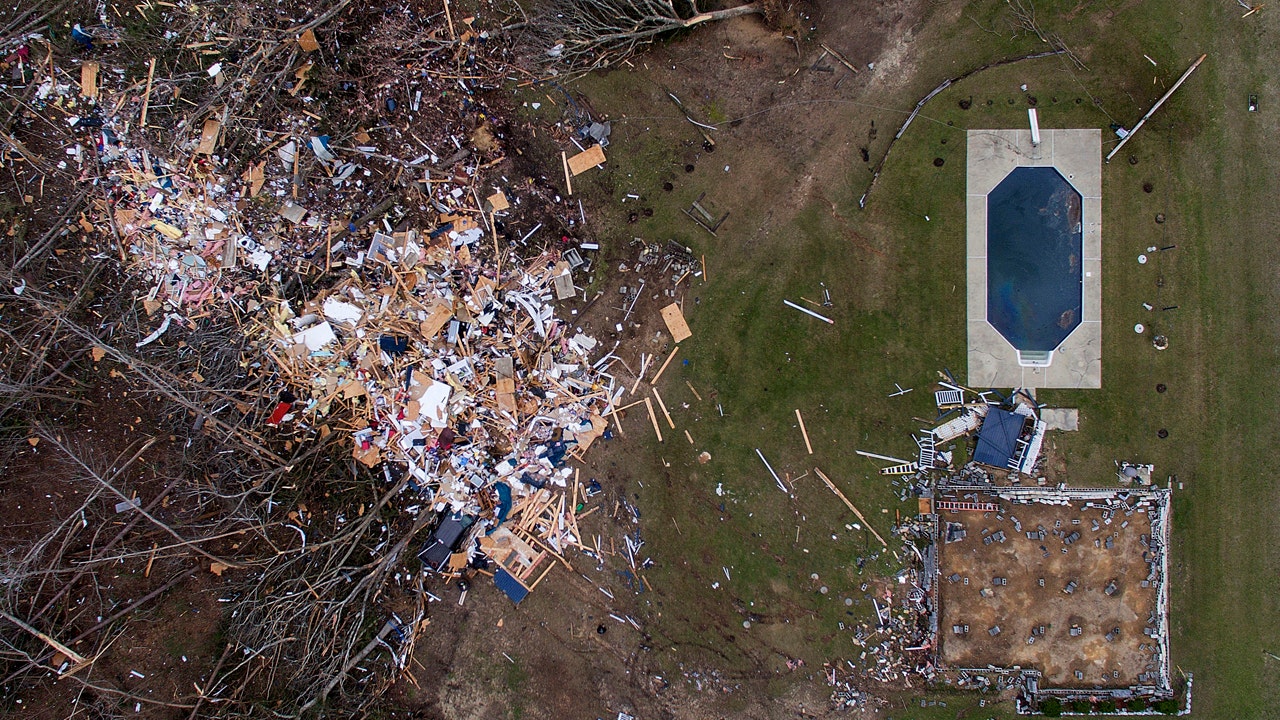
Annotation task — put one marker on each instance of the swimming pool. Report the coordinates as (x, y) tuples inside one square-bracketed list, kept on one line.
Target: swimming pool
[(1034, 249)]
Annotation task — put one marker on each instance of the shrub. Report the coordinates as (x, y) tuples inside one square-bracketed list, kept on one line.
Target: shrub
[(1051, 707), (1107, 706), (1168, 707), (1081, 706), (1136, 705)]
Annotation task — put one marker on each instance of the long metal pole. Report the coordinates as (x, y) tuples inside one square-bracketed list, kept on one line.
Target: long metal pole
[(1155, 107), (807, 311)]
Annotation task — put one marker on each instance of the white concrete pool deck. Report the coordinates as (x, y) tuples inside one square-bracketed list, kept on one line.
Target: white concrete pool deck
[(992, 154)]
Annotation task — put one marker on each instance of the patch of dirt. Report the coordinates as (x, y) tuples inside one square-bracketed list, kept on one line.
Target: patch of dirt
[(1023, 605)]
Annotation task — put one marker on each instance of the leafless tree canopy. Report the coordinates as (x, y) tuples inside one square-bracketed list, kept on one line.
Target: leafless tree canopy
[(572, 36)]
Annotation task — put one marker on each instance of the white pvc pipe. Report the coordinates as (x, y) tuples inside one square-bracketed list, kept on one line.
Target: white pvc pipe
[(807, 311)]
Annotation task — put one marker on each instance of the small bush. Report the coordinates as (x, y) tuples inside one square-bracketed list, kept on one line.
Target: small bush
[(1107, 706), (1136, 705), (1168, 707), (1081, 706), (1051, 708)]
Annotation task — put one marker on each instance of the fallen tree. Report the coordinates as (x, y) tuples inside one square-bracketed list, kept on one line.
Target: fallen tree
[(575, 36)]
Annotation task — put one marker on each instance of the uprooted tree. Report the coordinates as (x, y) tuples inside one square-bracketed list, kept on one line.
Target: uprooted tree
[(571, 36)]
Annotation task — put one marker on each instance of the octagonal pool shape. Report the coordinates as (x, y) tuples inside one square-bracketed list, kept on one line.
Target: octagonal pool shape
[(1034, 247)]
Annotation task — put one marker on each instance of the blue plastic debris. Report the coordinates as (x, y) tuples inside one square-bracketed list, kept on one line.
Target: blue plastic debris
[(81, 37), (511, 585), (393, 345)]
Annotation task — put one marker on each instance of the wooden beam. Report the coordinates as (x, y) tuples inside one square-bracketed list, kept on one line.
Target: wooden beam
[(654, 418), (1155, 107), (663, 405), (662, 369), (544, 574), (549, 549), (568, 182), (804, 432), (841, 58), (146, 98), (855, 510)]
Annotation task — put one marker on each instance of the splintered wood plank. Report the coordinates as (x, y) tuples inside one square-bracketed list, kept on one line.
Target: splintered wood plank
[(307, 41), (586, 160), (676, 324), (208, 137), (653, 418), (598, 425), (440, 315), (497, 202), (663, 369), (255, 176), (804, 432), (663, 406), (858, 513), (89, 79), (506, 388)]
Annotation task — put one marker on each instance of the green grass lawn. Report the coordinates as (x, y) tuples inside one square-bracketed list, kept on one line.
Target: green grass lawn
[(897, 281)]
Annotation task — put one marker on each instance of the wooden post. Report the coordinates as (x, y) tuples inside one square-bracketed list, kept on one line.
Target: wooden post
[(653, 418), (448, 16), (804, 432), (544, 574), (564, 160), (663, 405), (674, 350), (855, 510), (146, 98), (886, 458), (841, 58), (1155, 107)]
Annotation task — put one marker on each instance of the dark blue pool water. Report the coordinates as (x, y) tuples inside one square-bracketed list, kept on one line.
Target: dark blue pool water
[(1034, 248)]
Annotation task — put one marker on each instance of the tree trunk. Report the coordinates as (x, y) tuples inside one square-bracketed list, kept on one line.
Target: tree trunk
[(748, 9)]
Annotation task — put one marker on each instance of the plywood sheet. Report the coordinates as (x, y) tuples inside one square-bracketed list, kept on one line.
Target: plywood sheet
[(440, 315), (586, 160), (676, 325), (497, 202)]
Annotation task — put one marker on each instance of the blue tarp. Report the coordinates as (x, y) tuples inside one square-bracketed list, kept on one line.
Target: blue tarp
[(998, 438), (511, 585)]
